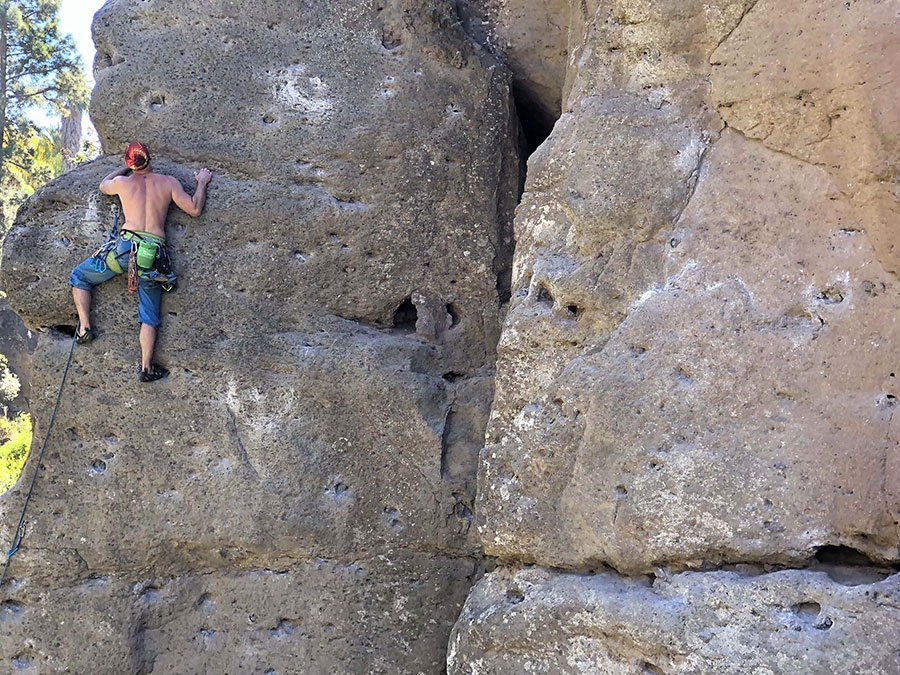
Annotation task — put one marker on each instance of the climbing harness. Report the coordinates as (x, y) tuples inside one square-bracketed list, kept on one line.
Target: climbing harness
[(148, 258), (20, 528)]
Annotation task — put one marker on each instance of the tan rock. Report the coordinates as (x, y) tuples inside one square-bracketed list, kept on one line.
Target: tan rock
[(722, 421), (696, 369), (817, 81), (585, 410)]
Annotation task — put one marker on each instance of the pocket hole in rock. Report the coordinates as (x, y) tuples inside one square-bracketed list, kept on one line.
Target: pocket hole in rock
[(406, 316), (515, 595), (453, 313), (544, 295)]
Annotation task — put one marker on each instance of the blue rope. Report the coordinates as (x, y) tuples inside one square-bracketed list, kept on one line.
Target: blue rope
[(20, 529)]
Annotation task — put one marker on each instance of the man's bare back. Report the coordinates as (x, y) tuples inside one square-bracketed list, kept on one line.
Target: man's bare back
[(146, 196)]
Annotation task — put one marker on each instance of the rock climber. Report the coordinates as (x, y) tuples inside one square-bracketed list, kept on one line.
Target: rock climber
[(138, 247)]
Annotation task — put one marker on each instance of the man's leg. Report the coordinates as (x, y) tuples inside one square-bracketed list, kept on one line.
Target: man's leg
[(83, 307), (148, 341), (83, 278), (149, 302)]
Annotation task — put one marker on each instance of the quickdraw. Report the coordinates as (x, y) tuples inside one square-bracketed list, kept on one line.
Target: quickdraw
[(98, 260), (132, 270)]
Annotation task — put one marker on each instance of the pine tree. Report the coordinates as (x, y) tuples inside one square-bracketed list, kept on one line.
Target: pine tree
[(40, 69)]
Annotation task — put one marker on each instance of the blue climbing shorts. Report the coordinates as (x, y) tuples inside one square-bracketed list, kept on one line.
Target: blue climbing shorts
[(85, 276)]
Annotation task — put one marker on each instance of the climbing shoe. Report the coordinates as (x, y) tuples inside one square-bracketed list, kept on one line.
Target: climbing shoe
[(156, 372), (83, 338)]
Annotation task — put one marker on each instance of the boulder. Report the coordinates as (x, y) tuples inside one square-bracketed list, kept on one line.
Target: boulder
[(723, 420), (695, 392), (310, 461), (737, 622)]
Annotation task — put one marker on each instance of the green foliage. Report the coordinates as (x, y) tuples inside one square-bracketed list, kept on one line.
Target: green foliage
[(43, 68), (35, 159), (15, 441), (9, 382), (40, 69)]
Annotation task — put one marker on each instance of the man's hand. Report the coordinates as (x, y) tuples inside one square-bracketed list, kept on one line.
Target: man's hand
[(203, 176)]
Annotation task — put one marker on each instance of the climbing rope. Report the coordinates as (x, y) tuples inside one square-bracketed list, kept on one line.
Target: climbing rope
[(20, 529)]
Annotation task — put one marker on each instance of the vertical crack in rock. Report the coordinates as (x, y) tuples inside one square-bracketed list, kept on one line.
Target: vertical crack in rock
[(446, 437), (536, 122), (747, 9), (693, 181), (243, 455), (531, 128)]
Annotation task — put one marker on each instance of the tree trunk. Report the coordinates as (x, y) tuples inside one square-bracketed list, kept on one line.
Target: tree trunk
[(70, 135)]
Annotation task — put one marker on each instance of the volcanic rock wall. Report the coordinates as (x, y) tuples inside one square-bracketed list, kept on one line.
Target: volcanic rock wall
[(690, 464), (697, 375), (297, 496)]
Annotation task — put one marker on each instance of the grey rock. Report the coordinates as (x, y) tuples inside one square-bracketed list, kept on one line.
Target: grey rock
[(331, 345), (302, 616), (727, 622)]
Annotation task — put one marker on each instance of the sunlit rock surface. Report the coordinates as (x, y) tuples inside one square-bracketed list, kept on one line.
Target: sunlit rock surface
[(698, 368), (690, 464)]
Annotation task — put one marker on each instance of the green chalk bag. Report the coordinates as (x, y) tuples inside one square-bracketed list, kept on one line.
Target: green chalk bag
[(146, 254)]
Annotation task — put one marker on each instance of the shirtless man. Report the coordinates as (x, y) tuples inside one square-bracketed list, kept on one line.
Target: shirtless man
[(145, 198)]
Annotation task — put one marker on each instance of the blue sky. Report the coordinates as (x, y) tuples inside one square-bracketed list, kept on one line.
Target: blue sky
[(75, 17)]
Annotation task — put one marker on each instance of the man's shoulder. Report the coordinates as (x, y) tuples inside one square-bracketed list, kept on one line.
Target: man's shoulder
[(155, 175), (164, 179)]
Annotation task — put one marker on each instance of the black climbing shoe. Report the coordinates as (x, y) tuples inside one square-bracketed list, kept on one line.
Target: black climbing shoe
[(156, 372), (83, 338)]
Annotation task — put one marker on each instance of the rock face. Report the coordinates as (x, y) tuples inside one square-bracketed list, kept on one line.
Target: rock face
[(298, 495), (533, 38), (690, 464), (17, 344), (697, 368), (716, 622)]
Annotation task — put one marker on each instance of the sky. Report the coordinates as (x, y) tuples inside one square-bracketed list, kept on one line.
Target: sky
[(75, 17)]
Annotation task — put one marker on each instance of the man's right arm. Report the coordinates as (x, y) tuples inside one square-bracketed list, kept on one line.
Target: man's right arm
[(193, 206), (107, 185)]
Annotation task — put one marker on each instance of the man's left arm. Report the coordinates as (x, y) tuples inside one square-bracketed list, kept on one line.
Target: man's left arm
[(108, 186)]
